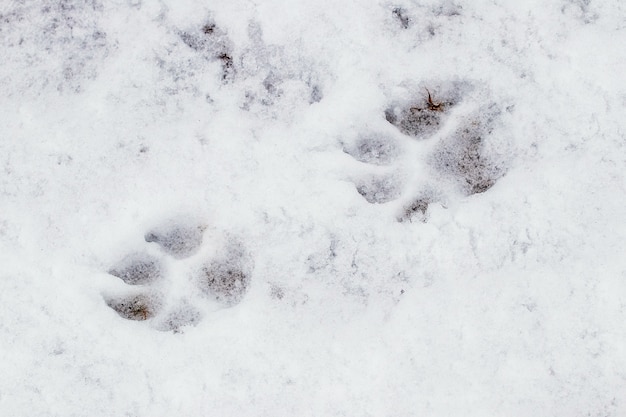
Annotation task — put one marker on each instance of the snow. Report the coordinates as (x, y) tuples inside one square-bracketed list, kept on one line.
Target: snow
[(314, 258)]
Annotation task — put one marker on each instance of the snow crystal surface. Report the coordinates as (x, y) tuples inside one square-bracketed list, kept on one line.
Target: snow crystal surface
[(292, 208)]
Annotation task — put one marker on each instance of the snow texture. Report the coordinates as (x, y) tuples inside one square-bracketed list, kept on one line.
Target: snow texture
[(410, 208)]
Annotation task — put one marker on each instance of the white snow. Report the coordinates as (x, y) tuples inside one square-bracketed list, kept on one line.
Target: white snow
[(252, 123)]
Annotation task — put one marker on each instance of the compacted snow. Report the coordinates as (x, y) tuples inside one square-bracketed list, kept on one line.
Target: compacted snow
[(290, 208)]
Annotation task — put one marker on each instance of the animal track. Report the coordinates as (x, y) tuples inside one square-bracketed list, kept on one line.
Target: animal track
[(223, 277), (137, 269), (136, 307), (375, 149), (227, 278), (180, 240), (184, 314), (461, 157), (227, 283), (423, 117), (417, 209), (379, 189)]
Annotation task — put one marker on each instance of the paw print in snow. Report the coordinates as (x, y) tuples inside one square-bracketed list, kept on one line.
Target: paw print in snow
[(179, 278), (462, 153)]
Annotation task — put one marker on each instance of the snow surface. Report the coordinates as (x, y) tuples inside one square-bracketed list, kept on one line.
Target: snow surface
[(303, 256)]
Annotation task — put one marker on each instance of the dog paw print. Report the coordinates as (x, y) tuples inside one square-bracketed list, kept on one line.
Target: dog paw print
[(456, 131), (179, 277)]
